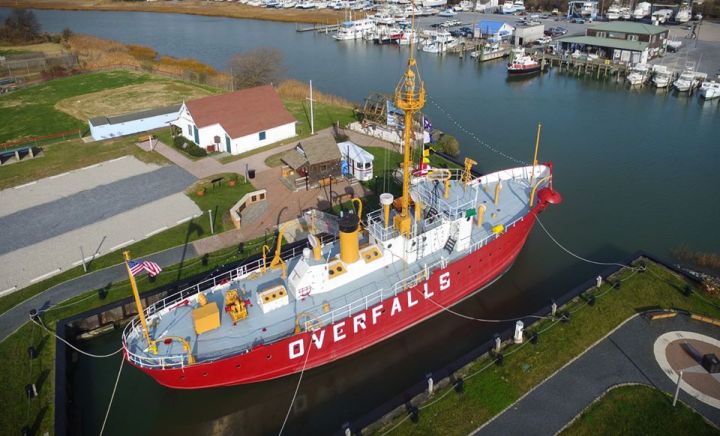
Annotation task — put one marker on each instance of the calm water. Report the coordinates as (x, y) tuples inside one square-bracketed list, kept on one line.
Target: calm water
[(637, 171)]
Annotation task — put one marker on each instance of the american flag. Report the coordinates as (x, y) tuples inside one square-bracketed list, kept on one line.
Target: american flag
[(138, 266)]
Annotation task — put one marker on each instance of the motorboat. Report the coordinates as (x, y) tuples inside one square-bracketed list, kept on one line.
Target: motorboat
[(613, 12), (662, 16), (508, 8), (519, 6), (641, 11), (354, 29), (662, 76), (439, 42), (625, 13), (710, 90), (687, 80), (407, 36), (490, 52), (587, 9), (638, 75), (683, 14), (447, 13), (522, 64)]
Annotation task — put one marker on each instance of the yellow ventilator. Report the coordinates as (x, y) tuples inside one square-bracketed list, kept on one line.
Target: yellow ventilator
[(498, 229), (418, 210), (480, 214), (498, 187), (386, 200)]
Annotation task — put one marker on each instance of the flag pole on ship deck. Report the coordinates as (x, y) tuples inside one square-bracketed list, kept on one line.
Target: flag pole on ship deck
[(151, 344)]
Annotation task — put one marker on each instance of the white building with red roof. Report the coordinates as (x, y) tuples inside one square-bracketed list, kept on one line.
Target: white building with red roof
[(236, 122)]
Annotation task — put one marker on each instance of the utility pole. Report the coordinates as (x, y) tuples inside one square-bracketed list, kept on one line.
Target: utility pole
[(312, 114)]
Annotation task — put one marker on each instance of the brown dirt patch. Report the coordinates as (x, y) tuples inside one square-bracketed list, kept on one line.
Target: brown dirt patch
[(130, 98)]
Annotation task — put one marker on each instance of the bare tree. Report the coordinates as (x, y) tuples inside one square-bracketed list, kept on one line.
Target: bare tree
[(258, 67)]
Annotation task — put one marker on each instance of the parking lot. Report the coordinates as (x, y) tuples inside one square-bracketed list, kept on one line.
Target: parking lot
[(99, 209)]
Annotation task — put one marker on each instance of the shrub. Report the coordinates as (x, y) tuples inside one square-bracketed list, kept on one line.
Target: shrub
[(189, 147), (449, 144)]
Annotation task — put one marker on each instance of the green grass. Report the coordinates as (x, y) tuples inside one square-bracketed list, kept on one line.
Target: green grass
[(325, 116), (10, 52), (31, 111), (491, 390), (38, 413), (639, 410), (218, 199), (71, 155)]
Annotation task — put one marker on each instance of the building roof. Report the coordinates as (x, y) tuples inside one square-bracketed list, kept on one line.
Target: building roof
[(241, 113), (355, 152), (628, 27), (491, 27), (117, 119), (620, 44), (315, 150)]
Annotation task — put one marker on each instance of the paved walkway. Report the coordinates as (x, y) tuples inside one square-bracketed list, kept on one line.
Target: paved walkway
[(624, 356), (14, 318)]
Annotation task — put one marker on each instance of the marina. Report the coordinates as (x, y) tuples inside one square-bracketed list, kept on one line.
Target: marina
[(611, 206)]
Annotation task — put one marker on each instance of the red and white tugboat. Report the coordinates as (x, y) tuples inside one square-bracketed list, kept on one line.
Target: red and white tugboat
[(523, 64), (450, 235)]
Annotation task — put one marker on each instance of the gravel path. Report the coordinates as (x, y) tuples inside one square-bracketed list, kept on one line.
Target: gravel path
[(624, 356)]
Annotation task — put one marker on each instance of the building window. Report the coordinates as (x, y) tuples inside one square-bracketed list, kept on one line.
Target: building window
[(261, 136), (190, 129), (632, 37), (601, 34)]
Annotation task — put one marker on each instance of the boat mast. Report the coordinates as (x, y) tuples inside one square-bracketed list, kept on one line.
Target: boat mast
[(151, 344), (410, 98), (535, 161)]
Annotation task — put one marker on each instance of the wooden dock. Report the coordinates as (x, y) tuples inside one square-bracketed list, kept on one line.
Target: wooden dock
[(327, 28), (582, 66)]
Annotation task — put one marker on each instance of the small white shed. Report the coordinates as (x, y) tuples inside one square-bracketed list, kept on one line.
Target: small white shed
[(356, 161)]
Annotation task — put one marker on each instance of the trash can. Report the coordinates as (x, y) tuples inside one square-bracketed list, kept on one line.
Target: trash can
[(251, 174)]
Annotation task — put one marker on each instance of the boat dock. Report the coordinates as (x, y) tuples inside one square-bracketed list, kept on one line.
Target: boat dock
[(327, 28), (577, 66)]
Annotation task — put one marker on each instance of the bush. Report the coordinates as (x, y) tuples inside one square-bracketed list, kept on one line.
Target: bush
[(449, 144), (189, 147)]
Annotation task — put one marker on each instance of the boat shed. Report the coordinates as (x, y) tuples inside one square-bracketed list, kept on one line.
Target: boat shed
[(493, 30), (128, 124), (356, 161), (527, 34), (313, 161), (625, 42)]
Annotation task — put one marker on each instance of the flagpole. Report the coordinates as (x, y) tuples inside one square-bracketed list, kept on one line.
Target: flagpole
[(141, 314)]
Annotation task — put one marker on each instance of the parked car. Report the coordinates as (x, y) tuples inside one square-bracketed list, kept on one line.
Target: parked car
[(578, 20), (555, 31), (543, 40)]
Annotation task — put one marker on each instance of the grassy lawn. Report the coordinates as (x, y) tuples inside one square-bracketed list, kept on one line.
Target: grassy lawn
[(489, 389), (33, 111), (17, 370), (218, 199), (637, 410), (325, 116)]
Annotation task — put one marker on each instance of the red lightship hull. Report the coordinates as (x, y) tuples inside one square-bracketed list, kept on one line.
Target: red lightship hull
[(445, 287)]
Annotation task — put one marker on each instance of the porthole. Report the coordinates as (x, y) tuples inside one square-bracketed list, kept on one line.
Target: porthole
[(268, 357)]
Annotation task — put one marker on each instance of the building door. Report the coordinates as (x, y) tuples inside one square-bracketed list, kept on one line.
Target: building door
[(197, 136), (227, 144)]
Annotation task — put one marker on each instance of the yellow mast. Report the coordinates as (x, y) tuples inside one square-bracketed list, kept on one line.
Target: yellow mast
[(151, 344), (537, 145), (410, 97)]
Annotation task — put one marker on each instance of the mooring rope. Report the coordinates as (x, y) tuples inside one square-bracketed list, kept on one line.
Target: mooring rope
[(112, 397), (297, 387), (98, 356)]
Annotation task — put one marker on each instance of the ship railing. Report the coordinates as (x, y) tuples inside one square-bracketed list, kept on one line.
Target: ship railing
[(376, 226), (217, 282)]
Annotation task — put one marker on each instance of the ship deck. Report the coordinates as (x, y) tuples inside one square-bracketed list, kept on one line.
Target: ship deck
[(259, 327)]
